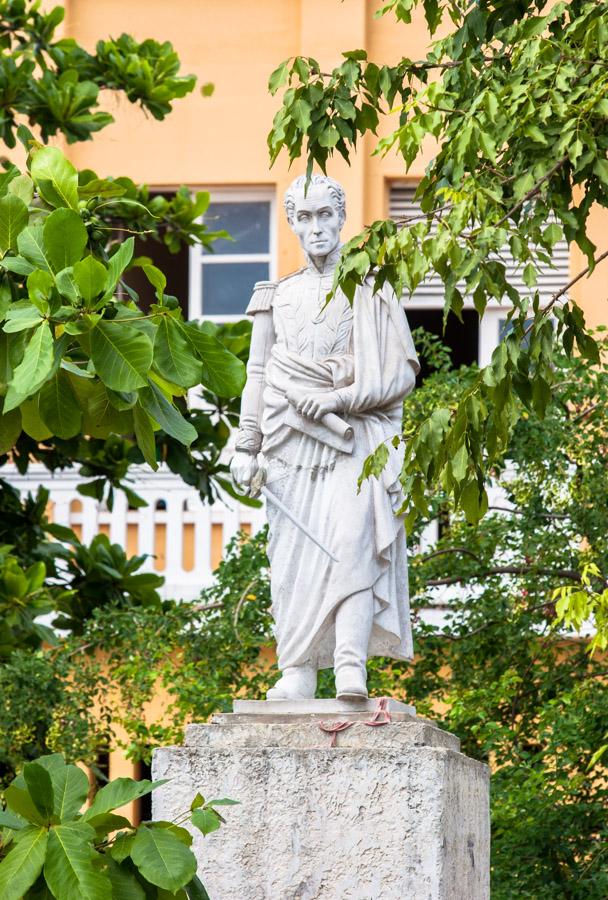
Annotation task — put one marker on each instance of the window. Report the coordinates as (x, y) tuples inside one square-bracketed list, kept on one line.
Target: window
[(485, 334), (222, 279)]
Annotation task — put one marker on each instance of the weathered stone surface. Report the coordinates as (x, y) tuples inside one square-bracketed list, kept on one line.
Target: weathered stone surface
[(390, 813), (317, 707)]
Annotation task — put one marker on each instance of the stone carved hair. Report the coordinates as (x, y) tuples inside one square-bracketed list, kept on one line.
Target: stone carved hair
[(299, 187)]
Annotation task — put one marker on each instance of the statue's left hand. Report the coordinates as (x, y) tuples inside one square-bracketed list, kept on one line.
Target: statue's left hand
[(317, 405)]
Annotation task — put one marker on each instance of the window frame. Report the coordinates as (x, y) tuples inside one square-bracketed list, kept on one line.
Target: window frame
[(197, 258)]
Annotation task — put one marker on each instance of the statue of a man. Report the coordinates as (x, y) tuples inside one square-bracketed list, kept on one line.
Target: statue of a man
[(325, 385)]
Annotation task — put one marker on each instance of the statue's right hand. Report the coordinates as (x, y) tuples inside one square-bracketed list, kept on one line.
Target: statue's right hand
[(243, 469)]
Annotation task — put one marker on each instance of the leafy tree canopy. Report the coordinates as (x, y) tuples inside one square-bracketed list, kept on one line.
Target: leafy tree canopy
[(90, 372), (515, 97)]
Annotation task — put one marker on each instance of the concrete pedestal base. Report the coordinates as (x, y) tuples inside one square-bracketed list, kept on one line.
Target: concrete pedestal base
[(394, 812)]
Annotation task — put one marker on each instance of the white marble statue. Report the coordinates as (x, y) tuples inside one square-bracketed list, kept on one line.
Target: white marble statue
[(325, 387)]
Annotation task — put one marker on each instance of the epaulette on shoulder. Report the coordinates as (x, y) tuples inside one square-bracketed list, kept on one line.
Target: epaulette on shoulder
[(262, 297), (291, 275)]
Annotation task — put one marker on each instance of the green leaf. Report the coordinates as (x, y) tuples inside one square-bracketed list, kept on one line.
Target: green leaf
[(117, 793), (55, 177), (118, 263), (13, 219), (17, 264), (125, 885), (69, 869), (40, 788), (65, 238), (224, 801), (207, 89), (22, 187), (162, 858), (70, 786), (33, 369), (170, 420), (195, 890), (19, 801), (10, 429), (157, 280), (10, 820), (30, 244), (90, 275), (144, 434), (174, 355), (23, 863), (223, 372), (21, 316), (206, 820), (31, 422), (66, 284), (121, 354), (278, 77), (59, 408)]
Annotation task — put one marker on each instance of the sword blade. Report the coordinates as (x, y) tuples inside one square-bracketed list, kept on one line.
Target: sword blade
[(280, 505)]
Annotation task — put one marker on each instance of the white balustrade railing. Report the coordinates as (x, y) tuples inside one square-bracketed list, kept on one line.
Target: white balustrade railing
[(182, 537)]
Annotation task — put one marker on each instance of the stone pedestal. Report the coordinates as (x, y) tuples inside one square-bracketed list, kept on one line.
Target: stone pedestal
[(392, 812)]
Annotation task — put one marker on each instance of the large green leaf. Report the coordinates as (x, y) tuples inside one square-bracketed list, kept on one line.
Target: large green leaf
[(21, 316), (59, 408), (90, 276), (10, 429), (70, 785), (65, 238), (117, 793), (174, 356), (30, 419), (33, 369), (13, 219), (118, 263), (223, 372), (195, 890), (144, 434), (122, 355), (124, 883), (69, 869), (55, 177), (162, 858), (30, 244), (40, 788), (19, 801), (168, 417), (23, 863)]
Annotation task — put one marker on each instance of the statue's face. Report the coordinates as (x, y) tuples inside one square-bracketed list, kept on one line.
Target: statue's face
[(316, 221)]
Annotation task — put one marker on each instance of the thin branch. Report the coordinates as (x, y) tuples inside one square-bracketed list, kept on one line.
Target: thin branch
[(570, 574), (533, 190), (588, 411), (452, 550), (566, 287)]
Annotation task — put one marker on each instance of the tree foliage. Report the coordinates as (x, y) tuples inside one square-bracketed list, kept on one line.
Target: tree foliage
[(50, 846), (55, 83), (515, 97), (91, 373)]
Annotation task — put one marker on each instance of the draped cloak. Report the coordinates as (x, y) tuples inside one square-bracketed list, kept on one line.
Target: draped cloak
[(366, 353)]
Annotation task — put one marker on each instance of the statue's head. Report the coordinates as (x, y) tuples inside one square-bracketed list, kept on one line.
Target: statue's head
[(316, 215)]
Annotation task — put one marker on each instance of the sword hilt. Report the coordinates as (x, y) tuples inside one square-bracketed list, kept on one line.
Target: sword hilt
[(257, 483)]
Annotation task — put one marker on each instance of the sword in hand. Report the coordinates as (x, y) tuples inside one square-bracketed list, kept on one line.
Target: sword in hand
[(258, 486)]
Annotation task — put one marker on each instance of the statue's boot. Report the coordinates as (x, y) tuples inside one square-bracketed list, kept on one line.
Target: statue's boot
[(295, 683), (354, 621)]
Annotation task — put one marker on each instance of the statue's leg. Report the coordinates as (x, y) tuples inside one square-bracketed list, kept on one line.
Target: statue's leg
[(295, 683), (354, 621)]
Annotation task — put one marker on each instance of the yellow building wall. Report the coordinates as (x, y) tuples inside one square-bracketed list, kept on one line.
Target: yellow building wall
[(221, 141)]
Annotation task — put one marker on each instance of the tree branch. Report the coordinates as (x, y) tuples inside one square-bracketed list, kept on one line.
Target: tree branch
[(570, 574)]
